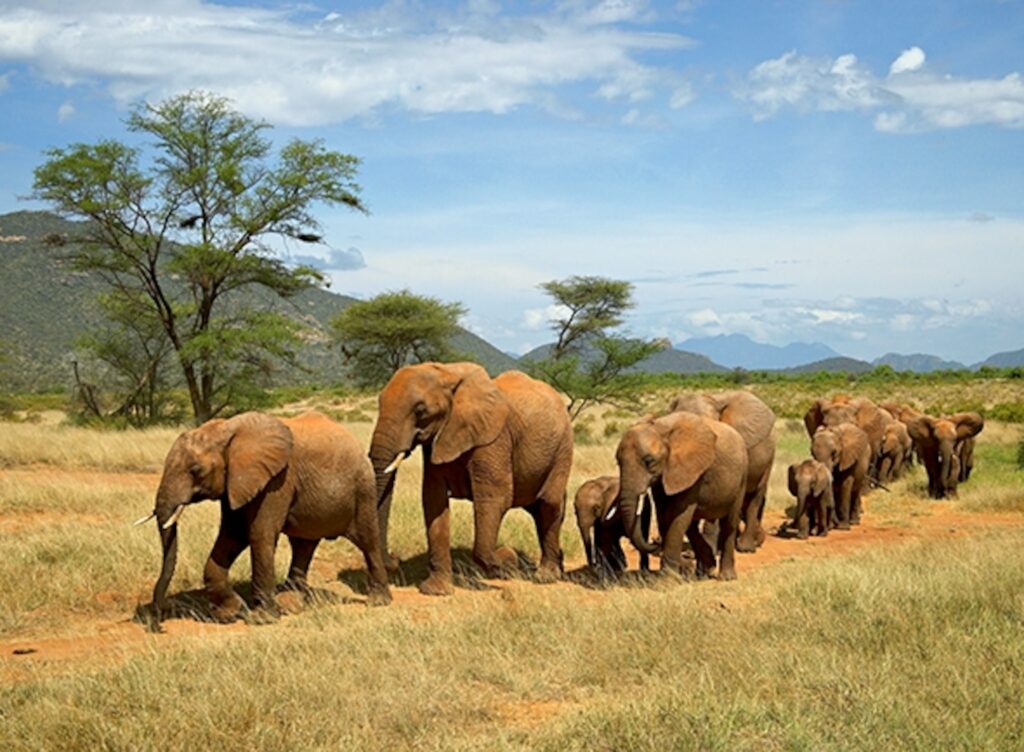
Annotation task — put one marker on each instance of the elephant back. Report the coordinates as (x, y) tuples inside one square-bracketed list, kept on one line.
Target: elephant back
[(751, 417)]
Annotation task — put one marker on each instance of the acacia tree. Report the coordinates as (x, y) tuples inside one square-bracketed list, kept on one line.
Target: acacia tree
[(182, 226), (380, 335), (589, 362)]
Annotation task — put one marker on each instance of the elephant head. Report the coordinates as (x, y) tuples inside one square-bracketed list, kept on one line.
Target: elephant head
[(808, 481), (836, 447), (674, 451), (600, 536), (938, 440), (447, 408), (233, 460)]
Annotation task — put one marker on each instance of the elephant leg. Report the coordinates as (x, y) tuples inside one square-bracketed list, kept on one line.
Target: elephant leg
[(856, 508), (703, 552), (843, 488), (710, 533), (727, 543), (262, 548), (437, 516), (302, 555), (804, 523), (548, 520), (495, 562), (747, 540), (231, 541), (676, 524)]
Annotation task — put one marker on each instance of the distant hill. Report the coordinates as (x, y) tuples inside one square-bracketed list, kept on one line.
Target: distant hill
[(739, 351), (917, 362), (46, 306), (833, 365), (1009, 359), (669, 360)]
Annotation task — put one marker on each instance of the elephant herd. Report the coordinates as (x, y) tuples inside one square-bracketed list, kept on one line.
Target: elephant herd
[(701, 472)]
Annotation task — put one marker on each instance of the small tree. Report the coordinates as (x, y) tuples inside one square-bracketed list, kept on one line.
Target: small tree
[(181, 229), (380, 335), (587, 363)]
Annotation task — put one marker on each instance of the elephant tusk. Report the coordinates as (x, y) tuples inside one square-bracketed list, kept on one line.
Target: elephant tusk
[(174, 517), (143, 520), (611, 511), (394, 464)]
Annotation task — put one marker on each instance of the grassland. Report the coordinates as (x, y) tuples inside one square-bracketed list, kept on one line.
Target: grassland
[(904, 634)]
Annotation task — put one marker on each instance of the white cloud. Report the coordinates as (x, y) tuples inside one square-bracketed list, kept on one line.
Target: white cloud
[(682, 96), (909, 99), (541, 318), (65, 112), (284, 67), (909, 60)]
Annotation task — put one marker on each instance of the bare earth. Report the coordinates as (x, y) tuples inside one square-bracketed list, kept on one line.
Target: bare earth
[(95, 642)]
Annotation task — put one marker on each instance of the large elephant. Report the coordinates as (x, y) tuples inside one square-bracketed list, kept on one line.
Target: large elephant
[(501, 443), (602, 535), (939, 442), (695, 469), (306, 477), (753, 420), (860, 411), (844, 449), (810, 482)]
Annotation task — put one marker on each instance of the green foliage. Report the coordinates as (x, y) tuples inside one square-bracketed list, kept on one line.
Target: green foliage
[(393, 329), (587, 363), (178, 229)]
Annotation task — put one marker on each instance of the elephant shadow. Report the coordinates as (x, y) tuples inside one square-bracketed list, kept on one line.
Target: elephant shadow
[(465, 572), (631, 578), (193, 605)]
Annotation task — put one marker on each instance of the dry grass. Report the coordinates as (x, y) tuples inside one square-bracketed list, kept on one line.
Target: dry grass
[(906, 647)]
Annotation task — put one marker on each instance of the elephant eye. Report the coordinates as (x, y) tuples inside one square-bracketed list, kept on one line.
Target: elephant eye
[(195, 470), (650, 461), (420, 409)]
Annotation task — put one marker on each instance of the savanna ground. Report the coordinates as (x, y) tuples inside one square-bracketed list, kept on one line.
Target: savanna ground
[(905, 633)]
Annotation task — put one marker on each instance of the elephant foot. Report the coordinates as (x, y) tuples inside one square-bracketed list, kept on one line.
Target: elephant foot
[(392, 564), (548, 573), (727, 573), (227, 608), (437, 584), (746, 544), (503, 562), (842, 525), (760, 536), (378, 597), (703, 570)]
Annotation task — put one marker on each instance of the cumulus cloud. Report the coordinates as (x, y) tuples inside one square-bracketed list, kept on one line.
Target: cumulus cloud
[(337, 260), (65, 112), (328, 68), (541, 318), (910, 98)]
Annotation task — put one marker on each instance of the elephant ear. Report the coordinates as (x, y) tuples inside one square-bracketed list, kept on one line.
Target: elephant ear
[(259, 448), (921, 429), (792, 480), (968, 425), (852, 441), (822, 481), (752, 418), (691, 451), (814, 417), (478, 413)]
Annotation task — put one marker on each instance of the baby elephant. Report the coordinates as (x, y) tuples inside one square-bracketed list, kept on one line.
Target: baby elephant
[(306, 477), (811, 483), (602, 537)]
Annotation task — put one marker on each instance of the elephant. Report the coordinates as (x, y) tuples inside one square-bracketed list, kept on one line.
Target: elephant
[(859, 411), (904, 414), (695, 469), (844, 449), (896, 445), (939, 442), (306, 477), (602, 537), (754, 420), (501, 443), (966, 459), (810, 482)]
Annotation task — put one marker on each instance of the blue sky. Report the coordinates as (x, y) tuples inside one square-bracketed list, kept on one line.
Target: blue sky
[(845, 172)]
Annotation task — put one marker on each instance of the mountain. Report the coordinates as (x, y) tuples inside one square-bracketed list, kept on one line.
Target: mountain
[(739, 351), (917, 362), (840, 364), (669, 360), (1009, 359), (47, 306)]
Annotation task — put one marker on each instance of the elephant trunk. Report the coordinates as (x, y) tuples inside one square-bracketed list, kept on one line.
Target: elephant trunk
[(803, 492), (946, 465), (628, 503), (384, 451), (169, 546), (588, 535)]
